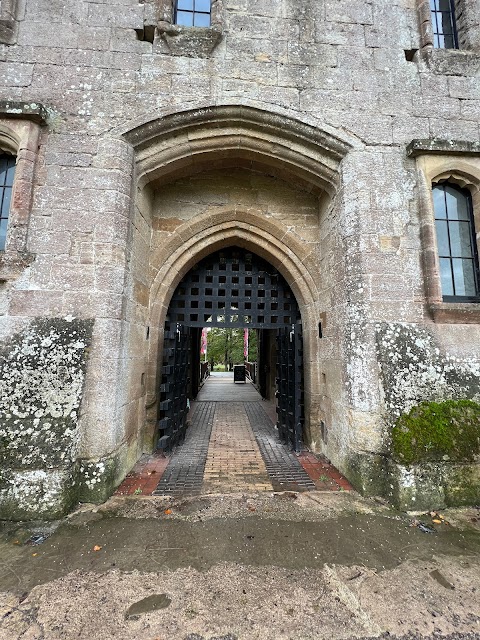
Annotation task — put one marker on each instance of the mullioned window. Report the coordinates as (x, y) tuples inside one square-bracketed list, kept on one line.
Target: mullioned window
[(7, 173), (456, 243)]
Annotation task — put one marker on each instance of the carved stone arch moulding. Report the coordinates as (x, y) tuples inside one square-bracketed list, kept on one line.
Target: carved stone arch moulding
[(185, 142), (196, 239), (271, 240)]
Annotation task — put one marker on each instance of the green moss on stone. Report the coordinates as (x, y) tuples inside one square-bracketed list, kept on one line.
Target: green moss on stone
[(462, 485), (435, 431), (367, 473)]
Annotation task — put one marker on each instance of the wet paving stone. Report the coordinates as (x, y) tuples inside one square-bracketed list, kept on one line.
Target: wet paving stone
[(285, 471), (185, 471)]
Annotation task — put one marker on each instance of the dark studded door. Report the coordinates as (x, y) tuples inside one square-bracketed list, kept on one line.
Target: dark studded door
[(173, 406), (290, 385)]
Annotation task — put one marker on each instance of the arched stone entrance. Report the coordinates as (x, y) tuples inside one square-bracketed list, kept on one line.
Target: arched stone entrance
[(191, 243), (232, 288), (225, 176)]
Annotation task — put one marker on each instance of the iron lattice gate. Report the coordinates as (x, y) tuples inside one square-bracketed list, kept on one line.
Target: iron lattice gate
[(231, 288), (234, 288), (290, 385), (173, 406)]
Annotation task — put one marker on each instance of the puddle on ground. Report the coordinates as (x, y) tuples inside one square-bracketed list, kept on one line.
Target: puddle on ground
[(154, 545), (151, 603)]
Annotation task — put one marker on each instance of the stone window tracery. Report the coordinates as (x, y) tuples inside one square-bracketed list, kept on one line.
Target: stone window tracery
[(449, 169)]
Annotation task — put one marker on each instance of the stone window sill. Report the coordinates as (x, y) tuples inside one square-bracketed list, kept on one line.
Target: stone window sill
[(455, 312), (450, 61), (193, 42)]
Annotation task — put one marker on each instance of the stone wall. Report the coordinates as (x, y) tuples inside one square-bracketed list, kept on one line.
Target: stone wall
[(42, 374), (10, 12), (357, 72)]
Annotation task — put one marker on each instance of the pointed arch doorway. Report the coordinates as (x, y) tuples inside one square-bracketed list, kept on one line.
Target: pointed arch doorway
[(233, 288)]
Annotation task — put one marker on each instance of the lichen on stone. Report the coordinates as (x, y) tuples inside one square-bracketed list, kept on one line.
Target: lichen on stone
[(42, 374), (413, 369)]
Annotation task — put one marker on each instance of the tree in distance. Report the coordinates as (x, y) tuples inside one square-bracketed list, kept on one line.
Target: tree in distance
[(225, 346)]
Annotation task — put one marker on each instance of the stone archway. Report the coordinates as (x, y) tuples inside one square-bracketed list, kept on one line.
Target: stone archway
[(185, 142), (229, 292), (195, 240), (292, 156)]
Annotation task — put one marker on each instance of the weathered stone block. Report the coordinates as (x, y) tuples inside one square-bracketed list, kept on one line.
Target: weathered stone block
[(42, 372), (184, 41), (418, 488), (433, 485), (37, 494)]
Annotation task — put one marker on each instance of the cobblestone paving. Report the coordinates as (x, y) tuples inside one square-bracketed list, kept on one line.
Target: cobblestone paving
[(184, 473), (285, 471), (234, 462)]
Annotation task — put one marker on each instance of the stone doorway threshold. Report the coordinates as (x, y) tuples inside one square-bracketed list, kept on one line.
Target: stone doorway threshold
[(231, 446)]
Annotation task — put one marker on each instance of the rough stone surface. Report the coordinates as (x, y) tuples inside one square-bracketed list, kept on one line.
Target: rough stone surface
[(413, 368), (42, 375), (246, 567), (119, 191), (433, 485)]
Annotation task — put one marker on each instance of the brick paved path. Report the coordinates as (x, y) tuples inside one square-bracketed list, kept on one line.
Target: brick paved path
[(285, 471), (230, 447), (184, 473), (234, 462)]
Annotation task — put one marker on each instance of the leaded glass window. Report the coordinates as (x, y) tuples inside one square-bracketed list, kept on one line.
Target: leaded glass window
[(443, 21), (456, 242), (7, 172), (193, 13)]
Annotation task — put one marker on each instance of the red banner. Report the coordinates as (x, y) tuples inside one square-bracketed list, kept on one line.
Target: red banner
[(245, 344), (203, 342)]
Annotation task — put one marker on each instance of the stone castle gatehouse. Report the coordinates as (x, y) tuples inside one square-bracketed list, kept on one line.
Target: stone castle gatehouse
[(337, 141)]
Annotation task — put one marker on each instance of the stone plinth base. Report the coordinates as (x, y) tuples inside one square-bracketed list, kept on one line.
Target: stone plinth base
[(434, 485)]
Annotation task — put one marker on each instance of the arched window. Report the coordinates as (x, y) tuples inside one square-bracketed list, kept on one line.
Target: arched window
[(443, 22), (456, 243), (193, 13), (7, 172)]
